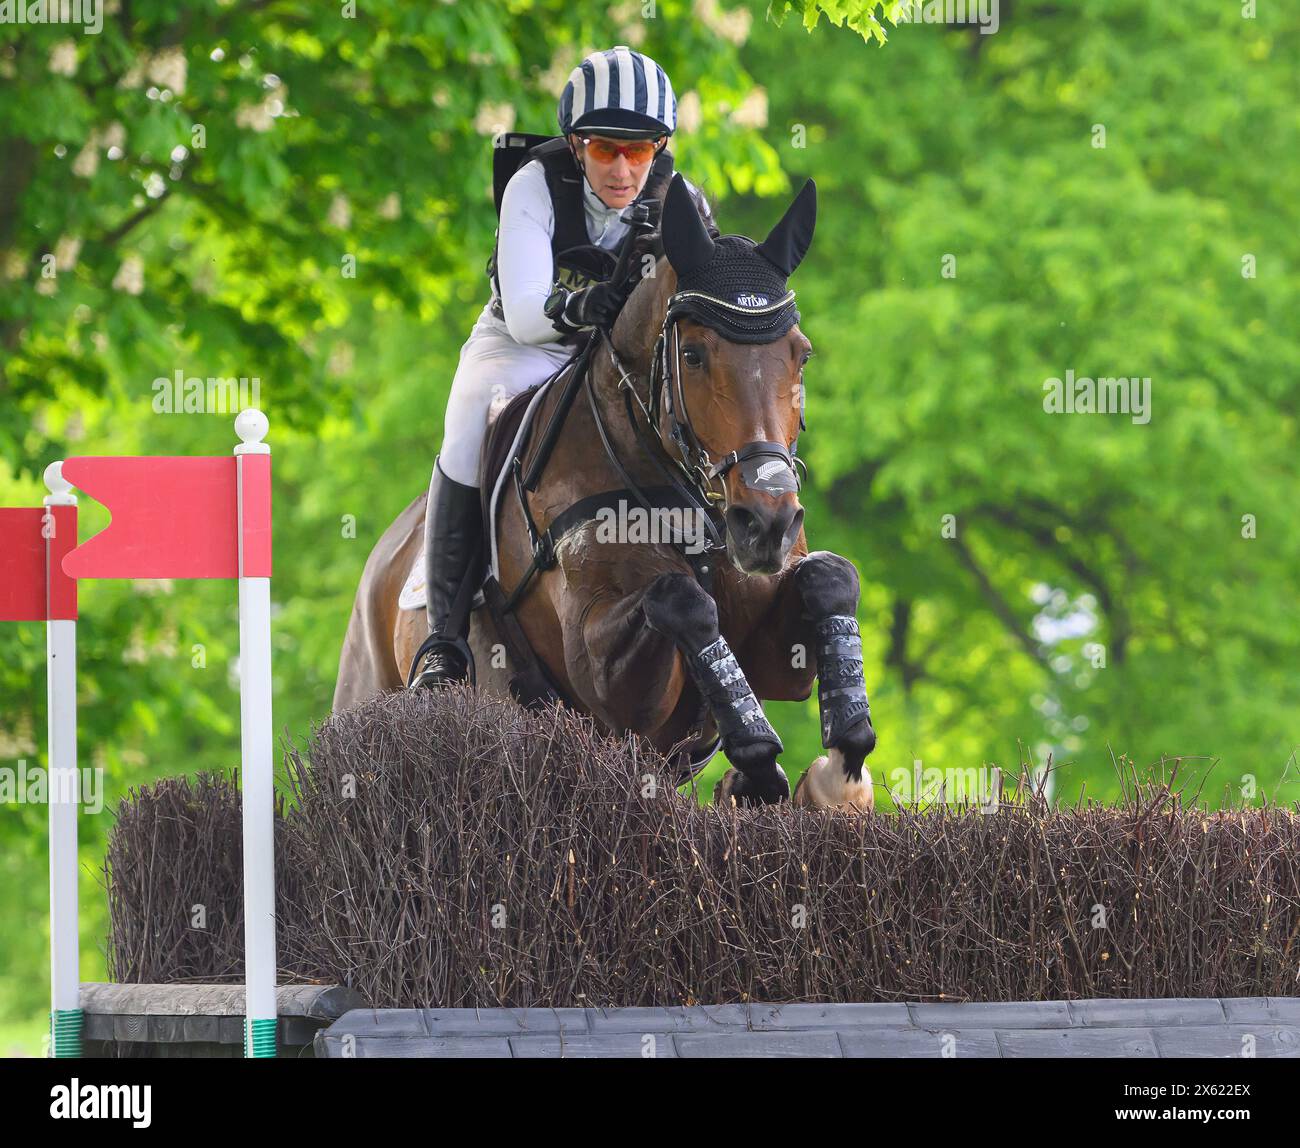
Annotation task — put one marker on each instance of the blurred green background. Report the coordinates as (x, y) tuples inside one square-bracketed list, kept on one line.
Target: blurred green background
[(180, 193)]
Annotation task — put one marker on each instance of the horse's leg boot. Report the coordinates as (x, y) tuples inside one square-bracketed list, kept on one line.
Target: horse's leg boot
[(828, 585), (453, 537), (727, 692), (675, 605), (748, 739)]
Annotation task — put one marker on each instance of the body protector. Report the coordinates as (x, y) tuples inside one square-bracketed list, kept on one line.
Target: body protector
[(578, 262)]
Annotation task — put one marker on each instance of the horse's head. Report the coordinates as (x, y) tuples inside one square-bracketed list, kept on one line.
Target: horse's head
[(728, 369)]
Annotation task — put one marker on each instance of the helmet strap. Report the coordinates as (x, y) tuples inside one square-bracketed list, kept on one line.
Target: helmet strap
[(573, 151)]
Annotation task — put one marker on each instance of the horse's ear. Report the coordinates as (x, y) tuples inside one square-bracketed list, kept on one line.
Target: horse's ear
[(686, 240), (788, 242)]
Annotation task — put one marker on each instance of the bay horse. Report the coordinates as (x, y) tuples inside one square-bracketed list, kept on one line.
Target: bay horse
[(669, 641)]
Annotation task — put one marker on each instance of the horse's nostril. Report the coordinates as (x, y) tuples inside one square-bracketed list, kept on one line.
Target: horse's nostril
[(792, 530), (743, 524)]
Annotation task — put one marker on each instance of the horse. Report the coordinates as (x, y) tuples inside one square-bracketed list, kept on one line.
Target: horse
[(667, 641)]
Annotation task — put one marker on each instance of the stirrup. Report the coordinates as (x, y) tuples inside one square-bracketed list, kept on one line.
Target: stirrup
[(432, 642)]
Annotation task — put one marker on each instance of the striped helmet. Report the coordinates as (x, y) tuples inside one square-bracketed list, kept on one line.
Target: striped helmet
[(619, 93)]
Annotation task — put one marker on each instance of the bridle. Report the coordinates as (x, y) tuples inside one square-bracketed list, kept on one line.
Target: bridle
[(695, 465)]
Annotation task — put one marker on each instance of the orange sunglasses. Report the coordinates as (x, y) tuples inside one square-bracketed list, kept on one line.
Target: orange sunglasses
[(637, 151)]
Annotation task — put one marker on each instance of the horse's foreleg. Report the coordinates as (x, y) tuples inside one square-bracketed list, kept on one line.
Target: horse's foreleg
[(623, 672), (810, 631), (676, 606), (828, 588)]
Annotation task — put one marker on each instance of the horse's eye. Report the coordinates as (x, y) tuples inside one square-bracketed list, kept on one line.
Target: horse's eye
[(693, 357)]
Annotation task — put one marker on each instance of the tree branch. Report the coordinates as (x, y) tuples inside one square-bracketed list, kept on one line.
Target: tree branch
[(1000, 606), (1044, 535), (896, 656)]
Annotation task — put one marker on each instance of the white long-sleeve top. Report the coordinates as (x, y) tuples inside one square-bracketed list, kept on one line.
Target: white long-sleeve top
[(525, 268)]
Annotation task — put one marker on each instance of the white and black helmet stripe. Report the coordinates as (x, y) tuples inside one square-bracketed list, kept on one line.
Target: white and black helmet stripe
[(618, 78)]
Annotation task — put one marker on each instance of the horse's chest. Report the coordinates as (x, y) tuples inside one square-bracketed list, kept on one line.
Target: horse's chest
[(744, 607)]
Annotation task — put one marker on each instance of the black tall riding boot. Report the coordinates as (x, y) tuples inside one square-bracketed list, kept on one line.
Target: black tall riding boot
[(453, 536)]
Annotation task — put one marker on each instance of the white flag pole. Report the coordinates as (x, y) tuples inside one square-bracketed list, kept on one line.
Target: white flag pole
[(258, 773), (63, 793)]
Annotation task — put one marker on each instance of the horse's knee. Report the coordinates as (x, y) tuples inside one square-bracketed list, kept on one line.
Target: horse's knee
[(676, 605), (827, 583)]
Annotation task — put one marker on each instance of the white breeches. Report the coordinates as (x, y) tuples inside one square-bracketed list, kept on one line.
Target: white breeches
[(492, 366)]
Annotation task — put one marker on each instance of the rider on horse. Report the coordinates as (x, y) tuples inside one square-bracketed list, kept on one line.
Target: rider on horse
[(560, 228)]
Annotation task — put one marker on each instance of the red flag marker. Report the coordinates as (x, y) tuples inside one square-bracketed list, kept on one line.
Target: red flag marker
[(33, 586), (171, 518), (176, 517)]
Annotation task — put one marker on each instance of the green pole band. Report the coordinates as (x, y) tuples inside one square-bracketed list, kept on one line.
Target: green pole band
[(261, 1033), (65, 1032)]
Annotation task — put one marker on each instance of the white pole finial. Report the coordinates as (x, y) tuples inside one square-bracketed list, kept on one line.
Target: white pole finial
[(59, 487), (251, 425)]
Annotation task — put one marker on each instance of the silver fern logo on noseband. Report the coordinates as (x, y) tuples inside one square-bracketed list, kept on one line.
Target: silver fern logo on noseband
[(770, 475)]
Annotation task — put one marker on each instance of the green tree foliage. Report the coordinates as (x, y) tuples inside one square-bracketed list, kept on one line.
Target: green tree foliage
[(199, 174), (192, 189)]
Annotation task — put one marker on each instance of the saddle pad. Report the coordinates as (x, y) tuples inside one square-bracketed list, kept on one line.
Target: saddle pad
[(497, 441), (412, 596)]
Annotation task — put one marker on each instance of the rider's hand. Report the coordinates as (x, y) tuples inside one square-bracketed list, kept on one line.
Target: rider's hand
[(596, 306)]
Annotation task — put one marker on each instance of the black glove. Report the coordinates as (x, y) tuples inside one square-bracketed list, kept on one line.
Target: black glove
[(595, 306)]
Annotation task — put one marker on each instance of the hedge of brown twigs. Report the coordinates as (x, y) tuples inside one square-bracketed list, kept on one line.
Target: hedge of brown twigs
[(449, 849), (174, 874)]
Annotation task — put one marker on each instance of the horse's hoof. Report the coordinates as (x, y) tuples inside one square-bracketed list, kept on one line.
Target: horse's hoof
[(825, 785), (767, 788)]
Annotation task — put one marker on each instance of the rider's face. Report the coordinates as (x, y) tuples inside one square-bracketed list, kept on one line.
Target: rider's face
[(617, 182)]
